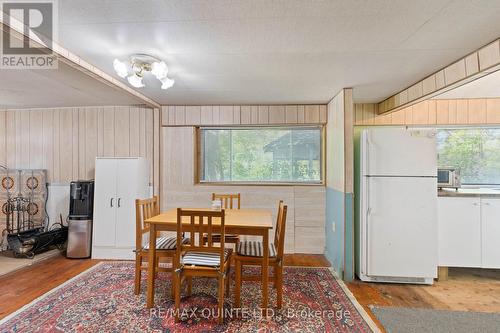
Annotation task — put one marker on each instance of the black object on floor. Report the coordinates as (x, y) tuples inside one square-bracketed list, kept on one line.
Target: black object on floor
[(30, 242)]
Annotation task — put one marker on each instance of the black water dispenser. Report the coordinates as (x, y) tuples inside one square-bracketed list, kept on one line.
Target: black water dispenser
[(81, 207), (81, 200)]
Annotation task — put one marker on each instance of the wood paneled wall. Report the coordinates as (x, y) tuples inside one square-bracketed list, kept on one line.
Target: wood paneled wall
[(305, 231), (66, 141), (478, 111), (340, 184), (479, 63), (182, 115)]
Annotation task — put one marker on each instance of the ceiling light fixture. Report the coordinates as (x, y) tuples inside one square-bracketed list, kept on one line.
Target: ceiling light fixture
[(120, 68), (166, 83), (159, 69), (140, 64), (135, 80)]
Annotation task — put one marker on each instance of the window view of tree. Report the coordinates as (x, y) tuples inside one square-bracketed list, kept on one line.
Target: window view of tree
[(475, 151), (261, 155)]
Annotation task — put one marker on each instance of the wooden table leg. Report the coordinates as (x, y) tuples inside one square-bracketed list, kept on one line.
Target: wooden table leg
[(265, 271), (151, 266), (237, 284)]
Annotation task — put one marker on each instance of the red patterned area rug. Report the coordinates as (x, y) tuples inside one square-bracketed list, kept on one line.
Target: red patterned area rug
[(102, 300)]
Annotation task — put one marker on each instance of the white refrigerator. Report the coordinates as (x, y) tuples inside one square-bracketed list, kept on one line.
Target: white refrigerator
[(398, 206)]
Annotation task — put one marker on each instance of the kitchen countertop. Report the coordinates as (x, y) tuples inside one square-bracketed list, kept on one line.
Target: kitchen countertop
[(470, 192)]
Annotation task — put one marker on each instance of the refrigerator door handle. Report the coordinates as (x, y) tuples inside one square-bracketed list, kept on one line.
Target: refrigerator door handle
[(369, 212), (368, 139), (369, 144), (367, 163), (367, 241)]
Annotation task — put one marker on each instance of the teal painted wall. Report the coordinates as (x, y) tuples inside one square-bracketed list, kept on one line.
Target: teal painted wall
[(349, 238), (339, 245), (335, 212)]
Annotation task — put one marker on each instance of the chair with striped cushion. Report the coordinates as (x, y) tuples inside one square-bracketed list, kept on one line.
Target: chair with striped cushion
[(165, 246), (200, 258), (227, 202), (250, 253)]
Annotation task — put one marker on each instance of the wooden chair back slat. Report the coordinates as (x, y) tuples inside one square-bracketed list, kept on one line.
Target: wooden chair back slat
[(201, 222), (144, 209), (279, 236), (227, 200), (278, 227), (209, 235)]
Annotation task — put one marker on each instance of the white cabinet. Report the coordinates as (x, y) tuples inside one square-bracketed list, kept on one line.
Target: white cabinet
[(490, 218), (118, 182), (104, 224), (469, 230), (459, 237)]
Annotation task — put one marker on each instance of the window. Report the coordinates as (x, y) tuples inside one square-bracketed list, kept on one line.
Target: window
[(475, 151), (261, 155)]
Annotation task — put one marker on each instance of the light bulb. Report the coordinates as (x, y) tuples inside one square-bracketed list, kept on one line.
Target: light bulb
[(159, 69), (166, 83), (120, 68), (135, 81)]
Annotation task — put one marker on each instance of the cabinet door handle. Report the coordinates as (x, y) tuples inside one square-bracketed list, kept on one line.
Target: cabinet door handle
[(486, 203), (111, 202), (119, 200), (475, 204)]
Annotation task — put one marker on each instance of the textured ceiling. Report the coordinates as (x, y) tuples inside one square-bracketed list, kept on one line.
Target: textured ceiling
[(288, 51), (261, 51), (65, 86)]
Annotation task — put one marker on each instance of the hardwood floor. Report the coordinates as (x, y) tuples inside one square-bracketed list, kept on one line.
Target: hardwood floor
[(309, 260), (465, 290), (23, 286)]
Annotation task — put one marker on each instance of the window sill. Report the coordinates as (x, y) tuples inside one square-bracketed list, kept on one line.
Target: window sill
[(258, 184)]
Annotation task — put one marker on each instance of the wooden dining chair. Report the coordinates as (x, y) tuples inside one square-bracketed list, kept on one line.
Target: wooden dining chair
[(200, 259), (226, 203), (250, 253), (165, 246), (227, 200)]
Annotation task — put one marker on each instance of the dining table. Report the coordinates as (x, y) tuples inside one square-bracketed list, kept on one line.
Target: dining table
[(251, 222)]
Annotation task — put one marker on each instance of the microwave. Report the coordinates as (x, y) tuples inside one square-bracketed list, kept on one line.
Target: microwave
[(449, 178)]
